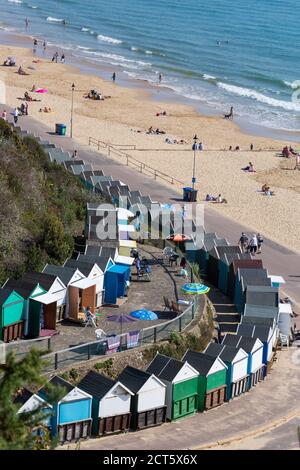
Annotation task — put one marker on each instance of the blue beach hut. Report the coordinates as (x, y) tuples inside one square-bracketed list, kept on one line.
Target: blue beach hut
[(72, 415), (116, 282)]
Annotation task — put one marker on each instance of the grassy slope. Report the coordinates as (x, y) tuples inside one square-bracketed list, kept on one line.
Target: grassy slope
[(42, 206)]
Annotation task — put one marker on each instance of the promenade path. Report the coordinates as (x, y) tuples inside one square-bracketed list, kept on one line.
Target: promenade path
[(277, 258), (259, 411)]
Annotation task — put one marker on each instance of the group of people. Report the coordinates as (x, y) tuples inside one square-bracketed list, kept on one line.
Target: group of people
[(10, 62), (251, 245), (94, 95), (267, 190), (174, 141), (154, 131), (55, 58), (35, 46), (141, 264), (289, 152), (217, 199)]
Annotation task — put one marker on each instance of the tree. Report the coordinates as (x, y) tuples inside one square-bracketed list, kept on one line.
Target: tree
[(17, 431), (57, 244)]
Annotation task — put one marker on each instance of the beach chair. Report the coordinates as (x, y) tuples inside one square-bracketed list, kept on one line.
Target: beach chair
[(89, 320), (132, 339), (113, 344)]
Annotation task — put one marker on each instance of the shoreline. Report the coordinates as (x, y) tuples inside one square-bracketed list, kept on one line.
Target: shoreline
[(125, 116), (159, 93)]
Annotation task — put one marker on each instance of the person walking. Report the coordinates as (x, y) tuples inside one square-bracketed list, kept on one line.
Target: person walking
[(253, 244), (114, 77), (74, 155), (16, 115), (44, 46), (35, 44), (260, 241), (243, 242)]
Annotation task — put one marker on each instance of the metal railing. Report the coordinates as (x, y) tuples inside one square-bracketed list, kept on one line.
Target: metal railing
[(97, 349), (131, 161), (22, 347)]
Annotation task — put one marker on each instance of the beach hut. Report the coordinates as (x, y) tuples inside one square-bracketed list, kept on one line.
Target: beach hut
[(262, 295), (236, 360), (111, 403), (11, 315), (29, 402), (262, 311), (148, 404), (116, 283), (211, 381), (277, 281), (266, 334), (226, 256), (246, 278), (202, 253), (181, 380), (91, 271), (28, 290), (213, 260), (243, 262), (72, 415), (46, 310), (285, 324), (254, 349)]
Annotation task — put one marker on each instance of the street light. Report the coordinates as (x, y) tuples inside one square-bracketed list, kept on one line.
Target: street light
[(194, 165), (72, 109)]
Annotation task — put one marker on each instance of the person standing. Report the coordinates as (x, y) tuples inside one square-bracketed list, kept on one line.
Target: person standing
[(26, 23), (243, 242), (260, 241), (74, 154), (35, 44), (16, 115), (297, 163), (114, 77), (160, 78), (44, 46), (253, 244), (201, 146), (26, 109), (63, 58)]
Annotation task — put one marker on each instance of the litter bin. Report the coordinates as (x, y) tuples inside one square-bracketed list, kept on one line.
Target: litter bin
[(190, 194), (60, 129)]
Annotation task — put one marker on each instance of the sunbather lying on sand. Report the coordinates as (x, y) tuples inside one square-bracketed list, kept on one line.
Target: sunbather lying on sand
[(10, 62), (218, 200), (249, 168), (21, 71), (45, 110)]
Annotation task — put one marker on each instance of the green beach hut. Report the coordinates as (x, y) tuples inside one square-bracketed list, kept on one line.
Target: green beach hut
[(181, 380), (11, 315), (28, 290), (211, 381)]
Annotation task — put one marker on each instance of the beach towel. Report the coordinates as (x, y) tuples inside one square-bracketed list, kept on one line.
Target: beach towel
[(41, 90), (113, 344), (133, 339)]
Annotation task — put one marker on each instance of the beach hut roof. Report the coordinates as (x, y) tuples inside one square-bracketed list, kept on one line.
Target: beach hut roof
[(201, 362), (245, 329), (263, 311), (45, 280), (5, 294), (22, 287), (133, 378), (247, 264), (23, 396), (262, 332), (259, 321), (248, 344), (64, 273), (166, 368), (85, 266), (226, 353), (98, 385)]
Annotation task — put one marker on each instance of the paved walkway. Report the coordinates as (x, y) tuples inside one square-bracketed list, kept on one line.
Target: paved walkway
[(269, 403), (277, 258)]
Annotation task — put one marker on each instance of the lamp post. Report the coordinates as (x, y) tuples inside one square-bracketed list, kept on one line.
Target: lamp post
[(194, 165), (72, 110)]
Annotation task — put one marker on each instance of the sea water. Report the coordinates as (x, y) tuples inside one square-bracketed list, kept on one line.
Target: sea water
[(215, 53)]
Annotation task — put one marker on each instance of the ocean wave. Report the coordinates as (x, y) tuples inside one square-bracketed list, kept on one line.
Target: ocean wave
[(148, 52), (294, 85), (248, 93), (108, 39), (50, 19), (208, 77), (15, 1)]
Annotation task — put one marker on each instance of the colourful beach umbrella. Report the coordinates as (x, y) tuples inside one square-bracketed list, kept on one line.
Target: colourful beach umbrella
[(144, 314), (195, 288)]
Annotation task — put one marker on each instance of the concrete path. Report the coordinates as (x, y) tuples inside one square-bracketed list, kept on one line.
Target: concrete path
[(270, 403), (277, 258)]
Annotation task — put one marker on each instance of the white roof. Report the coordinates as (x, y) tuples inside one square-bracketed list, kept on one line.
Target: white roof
[(285, 308), (48, 298), (277, 279), (84, 283), (124, 260), (128, 243)]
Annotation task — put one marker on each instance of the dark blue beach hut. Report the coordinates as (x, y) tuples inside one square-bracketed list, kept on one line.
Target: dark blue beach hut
[(116, 283), (226, 257), (243, 262), (213, 260)]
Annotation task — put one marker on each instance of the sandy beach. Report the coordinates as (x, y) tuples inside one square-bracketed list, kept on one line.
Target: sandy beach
[(126, 114)]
